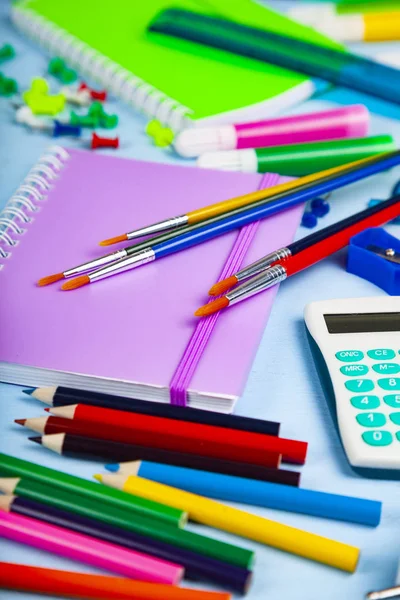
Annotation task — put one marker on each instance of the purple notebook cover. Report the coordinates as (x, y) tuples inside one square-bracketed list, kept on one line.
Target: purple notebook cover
[(132, 327)]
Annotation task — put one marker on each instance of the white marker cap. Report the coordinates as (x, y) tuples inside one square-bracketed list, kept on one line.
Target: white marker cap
[(197, 140), (235, 160)]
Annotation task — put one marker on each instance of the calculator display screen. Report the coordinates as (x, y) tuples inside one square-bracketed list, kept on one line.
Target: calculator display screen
[(362, 322)]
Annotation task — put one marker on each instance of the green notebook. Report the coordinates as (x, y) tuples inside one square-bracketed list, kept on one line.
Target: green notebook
[(174, 80)]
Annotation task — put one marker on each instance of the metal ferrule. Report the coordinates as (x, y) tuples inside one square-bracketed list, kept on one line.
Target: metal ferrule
[(385, 594), (157, 227), (95, 264), (263, 263), (256, 284), (136, 260)]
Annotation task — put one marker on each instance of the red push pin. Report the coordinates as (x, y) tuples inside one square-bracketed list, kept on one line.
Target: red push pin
[(102, 142), (101, 96)]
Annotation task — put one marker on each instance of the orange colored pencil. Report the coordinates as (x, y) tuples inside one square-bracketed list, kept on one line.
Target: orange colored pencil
[(68, 584)]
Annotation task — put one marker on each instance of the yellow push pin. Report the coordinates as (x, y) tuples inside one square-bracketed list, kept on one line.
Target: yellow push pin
[(40, 101), (162, 136)]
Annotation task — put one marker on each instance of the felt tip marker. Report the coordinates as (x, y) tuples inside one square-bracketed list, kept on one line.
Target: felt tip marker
[(351, 121), (299, 159)]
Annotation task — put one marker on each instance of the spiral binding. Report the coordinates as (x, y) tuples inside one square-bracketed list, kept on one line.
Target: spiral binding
[(119, 81), (22, 205)]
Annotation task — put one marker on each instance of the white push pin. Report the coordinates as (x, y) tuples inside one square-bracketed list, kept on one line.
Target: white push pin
[(74, 96), (25, 116)]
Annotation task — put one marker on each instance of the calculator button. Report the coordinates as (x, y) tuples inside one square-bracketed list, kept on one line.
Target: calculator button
[(395, 418), (360, 385), (381, 354), (386, 368), (372, 419), (398, 435), (349, 355), (365, 402), (377, 438), (391, 383), (392, 400), (354, 370)]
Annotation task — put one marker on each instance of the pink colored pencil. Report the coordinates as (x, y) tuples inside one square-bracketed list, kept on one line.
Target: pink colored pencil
[(86, 549)]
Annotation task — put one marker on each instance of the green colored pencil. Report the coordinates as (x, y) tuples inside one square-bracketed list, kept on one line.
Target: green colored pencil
[(16, 467), (45, 494)]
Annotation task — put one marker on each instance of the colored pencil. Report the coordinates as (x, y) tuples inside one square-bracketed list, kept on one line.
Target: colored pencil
[(80, 447), (196, 566), (140, 427), (62, 396), (68, 584), (292, 265), (212, 210), (242, 217), (212, 513), (10, 466), (262, 493), (143, 526), (292, 249), (88, 550), (229, 451)]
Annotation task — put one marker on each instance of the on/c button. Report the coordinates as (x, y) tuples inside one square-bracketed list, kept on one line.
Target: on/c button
[(349, 355)]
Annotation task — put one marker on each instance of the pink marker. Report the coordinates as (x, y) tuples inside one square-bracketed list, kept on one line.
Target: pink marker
[(86, 549), (346, 122)]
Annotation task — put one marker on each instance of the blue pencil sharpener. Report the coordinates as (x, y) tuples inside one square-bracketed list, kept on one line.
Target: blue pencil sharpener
[(374, 255)]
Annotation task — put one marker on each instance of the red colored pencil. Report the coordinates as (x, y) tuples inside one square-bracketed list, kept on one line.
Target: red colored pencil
[(68, 584), (222, 442)]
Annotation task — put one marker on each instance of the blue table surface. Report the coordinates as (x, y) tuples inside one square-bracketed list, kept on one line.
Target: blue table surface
[(283, 384)]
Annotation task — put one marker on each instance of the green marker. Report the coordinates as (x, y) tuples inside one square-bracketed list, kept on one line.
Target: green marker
[(95, 493), (298, 159)]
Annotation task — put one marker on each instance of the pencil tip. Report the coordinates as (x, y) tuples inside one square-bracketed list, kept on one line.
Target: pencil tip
[(28, 391), (77, 282), (114, 240), (98, 477), (212, 307), (20, 421), (47, 409), (113, 468), (37, 439)]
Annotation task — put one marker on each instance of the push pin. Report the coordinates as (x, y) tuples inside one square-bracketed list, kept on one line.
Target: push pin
[(40, 101), (89, 121), (25, 116), (101, 96), (162, 136), (74, 96), (101, 142), (59, 69), (6, 52), (8, 87), (105, 120), (320, 207), (309, 220), (65, 129)]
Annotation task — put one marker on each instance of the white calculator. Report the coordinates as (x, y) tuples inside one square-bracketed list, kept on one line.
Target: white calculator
[(356, 346)]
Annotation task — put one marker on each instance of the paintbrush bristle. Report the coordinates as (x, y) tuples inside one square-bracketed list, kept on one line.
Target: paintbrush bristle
[(50, 279), (212, 307), (114, 240), (222, 286), (75, 283)]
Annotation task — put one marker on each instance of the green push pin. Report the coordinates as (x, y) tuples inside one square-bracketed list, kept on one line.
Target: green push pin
[(6, 52), (8, 87), (96, 110), (162, 136), (58, 69), (106, 121), (88, 120)]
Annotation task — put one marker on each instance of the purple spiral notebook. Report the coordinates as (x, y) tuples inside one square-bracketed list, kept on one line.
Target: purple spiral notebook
[(133, 334)]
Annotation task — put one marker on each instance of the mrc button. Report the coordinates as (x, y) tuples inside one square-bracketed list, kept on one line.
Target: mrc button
[(349, 355), (354, 370)]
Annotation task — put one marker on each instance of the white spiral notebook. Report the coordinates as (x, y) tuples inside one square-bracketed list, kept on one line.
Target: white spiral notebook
[(176, 81)]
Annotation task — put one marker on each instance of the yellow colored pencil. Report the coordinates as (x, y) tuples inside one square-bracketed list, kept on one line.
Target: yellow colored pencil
[(219, 208), (215, 514)]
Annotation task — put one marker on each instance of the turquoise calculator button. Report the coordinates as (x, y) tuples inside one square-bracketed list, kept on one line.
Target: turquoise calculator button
[(354, 370), (398, 435), (371, 419), (395, 418), (365, 402), (360, 385), (349, 355), (377, 438), (392, 400), (391, 383), (381, 354), (386, 368)]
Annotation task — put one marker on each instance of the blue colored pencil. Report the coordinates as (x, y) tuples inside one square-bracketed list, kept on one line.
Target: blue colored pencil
[(238, 218), (268, 495)]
